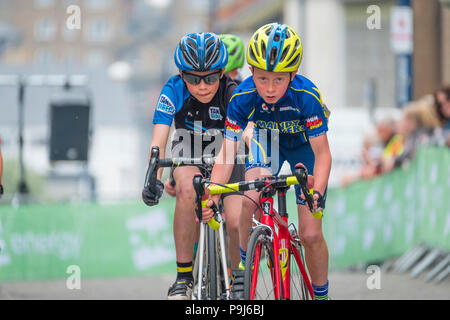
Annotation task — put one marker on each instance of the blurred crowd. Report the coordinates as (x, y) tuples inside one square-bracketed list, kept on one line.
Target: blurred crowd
[(393, 143)]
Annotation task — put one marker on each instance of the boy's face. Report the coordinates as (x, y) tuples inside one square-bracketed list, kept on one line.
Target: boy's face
[(271, 86), (203, 92)]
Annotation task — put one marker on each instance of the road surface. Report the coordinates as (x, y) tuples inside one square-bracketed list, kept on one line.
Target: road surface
[(343, 285)]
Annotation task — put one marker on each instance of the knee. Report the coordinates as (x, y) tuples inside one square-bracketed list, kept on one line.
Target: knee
[(248, 204), (311, 238), (185, 191)]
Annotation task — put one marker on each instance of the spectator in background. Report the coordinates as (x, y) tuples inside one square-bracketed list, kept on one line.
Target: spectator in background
[(1, 170), (425, 120), (371, 157), (442, 107), (417, 126), (392, 143)]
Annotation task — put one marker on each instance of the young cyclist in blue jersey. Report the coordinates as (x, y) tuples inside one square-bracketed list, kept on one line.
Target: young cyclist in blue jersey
[(236, 56), (196, 101), (290, 123)]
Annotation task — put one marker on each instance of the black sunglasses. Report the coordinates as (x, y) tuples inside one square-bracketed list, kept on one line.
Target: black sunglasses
[(195, 79)]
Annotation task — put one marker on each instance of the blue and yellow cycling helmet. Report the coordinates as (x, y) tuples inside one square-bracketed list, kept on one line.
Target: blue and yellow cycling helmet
[(275, 47), (201, 52)]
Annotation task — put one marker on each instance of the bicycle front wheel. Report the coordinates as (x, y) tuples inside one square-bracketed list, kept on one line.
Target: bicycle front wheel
[(259, 277), (212, 264), (300, 285)]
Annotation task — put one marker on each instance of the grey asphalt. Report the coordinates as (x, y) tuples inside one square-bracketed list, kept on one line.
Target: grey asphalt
[(343, 285)]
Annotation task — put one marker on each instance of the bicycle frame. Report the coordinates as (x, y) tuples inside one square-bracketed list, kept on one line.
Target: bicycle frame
[(282, 244)]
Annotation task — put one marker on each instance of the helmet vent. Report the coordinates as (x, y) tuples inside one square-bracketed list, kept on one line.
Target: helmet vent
[(284, 53), (293, 62), (288, 34), (263, 49)]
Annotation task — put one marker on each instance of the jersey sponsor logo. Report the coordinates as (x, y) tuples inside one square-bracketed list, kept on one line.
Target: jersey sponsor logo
[(265, 108), (287, 108), (313, 122), (232, 125), (214, 113), (292, 126), (165, 105)]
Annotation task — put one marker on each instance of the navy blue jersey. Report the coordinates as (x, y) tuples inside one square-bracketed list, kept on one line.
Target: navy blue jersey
[(299, 115)]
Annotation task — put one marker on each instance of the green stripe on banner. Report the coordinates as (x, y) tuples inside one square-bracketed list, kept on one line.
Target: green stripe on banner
[(40, 242), (366, 222)]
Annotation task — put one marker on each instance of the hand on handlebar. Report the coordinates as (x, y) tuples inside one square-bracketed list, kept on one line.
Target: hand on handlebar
[(170, 187), (150, 197), (318, 201), (207, 212)]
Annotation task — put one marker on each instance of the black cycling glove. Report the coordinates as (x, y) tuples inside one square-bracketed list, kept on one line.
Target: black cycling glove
[(320, 201), (1, 190), (152, 198)]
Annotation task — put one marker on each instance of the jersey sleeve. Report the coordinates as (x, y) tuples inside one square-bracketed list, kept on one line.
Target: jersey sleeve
[(166, 106), (315, 114), (238, 112)]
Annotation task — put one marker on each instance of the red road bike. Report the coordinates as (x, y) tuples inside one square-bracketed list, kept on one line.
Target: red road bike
[(275, 265)]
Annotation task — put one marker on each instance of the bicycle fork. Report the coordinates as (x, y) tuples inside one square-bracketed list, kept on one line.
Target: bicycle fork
[(223, 259)]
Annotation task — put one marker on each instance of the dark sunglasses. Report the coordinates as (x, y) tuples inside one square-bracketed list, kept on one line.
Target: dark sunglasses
[(195, 79)]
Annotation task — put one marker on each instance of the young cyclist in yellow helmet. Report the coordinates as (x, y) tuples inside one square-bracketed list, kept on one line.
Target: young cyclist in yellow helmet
[(290, 123), (236, 56)]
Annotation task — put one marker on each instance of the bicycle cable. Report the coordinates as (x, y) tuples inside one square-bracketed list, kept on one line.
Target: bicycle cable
[(241, 193)]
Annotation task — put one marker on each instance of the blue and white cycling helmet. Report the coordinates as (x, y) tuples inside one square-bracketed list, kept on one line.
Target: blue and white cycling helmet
[(201, 52)]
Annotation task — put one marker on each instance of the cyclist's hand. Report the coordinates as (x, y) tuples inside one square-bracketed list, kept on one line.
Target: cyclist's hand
[(170, 189), (151, 198), (207, 212), (1, 190), (318, 201)]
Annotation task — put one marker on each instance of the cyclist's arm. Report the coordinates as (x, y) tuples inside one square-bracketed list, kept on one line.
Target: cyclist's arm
[(248, 133), (224, 164), (322, 162), (160, 136)]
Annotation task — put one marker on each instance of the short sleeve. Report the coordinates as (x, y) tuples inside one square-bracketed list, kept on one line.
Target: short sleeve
[(238, 113), (166, 106), (314, 113)]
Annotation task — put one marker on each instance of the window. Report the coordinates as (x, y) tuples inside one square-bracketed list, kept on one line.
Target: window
[(96, 5), (98, 30), (43, 3), (45, 29)]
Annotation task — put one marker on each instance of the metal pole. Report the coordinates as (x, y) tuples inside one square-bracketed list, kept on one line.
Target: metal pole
[(22, 186), (404, 70)]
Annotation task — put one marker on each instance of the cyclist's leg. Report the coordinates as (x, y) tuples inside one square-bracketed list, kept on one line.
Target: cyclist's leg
[(233, 206), (184, 220), (185, 232), (310, 228)]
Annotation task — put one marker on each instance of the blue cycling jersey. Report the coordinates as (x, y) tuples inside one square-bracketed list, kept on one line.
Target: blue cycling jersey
[(299, 115)]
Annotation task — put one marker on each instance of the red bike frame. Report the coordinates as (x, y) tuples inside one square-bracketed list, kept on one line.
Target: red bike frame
[(282, 245)]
